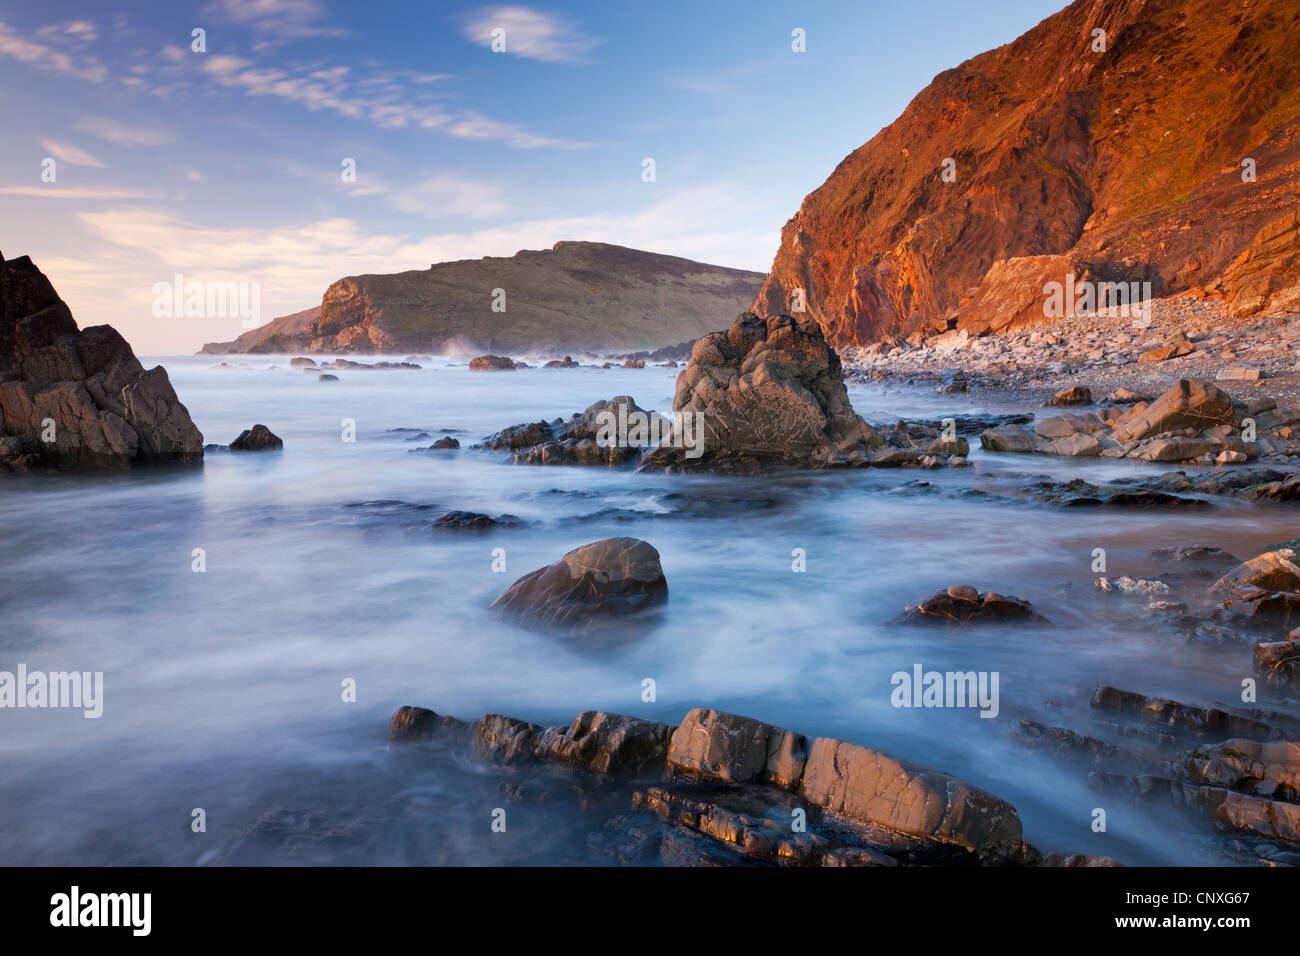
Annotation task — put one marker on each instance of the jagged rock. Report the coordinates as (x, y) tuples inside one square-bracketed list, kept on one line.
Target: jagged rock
[(444, 444), (735, 780), (587, 438), (1278, 610), (1270, 770), (1278, 662), (766, 391), (963, 606), (605, 579), (608, 744), (735, 749), (1271, 571), (1191, 422), (257, 438), (1262, 279), (1170, 713), (491, 363), (1186, 404), (72, 398)]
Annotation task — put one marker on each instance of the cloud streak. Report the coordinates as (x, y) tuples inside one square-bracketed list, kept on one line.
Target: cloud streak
[(529, 33)]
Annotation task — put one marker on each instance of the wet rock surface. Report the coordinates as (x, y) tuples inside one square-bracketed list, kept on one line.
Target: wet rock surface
[(613, 578), (722, 790), (964, 606)]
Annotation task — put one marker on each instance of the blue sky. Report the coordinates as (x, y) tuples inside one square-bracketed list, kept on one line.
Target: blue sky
[(225, 165)]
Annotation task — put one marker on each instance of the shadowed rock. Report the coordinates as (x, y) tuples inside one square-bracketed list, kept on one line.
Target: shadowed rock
[(72, 398), (257, 438)]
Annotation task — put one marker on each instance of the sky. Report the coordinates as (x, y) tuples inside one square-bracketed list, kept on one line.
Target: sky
[(230, 163)]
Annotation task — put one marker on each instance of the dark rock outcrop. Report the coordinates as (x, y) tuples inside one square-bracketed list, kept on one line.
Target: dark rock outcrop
[(257, 438), (78, 399), (963, 606)]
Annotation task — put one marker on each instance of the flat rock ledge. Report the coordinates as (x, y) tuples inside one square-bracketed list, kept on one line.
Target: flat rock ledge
[(725, 789)]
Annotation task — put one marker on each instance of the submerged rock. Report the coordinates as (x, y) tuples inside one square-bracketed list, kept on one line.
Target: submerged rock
[(598, 581), (471, 521), (74, 398)]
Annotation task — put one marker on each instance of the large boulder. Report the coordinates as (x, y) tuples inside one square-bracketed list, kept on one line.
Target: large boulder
[(589, 585), (732, 749), (1195, 405), (1271, 571), (71, 398), (765, 391), (876, 788)]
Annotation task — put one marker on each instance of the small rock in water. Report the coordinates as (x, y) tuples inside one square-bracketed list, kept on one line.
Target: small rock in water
[(605, 579), (257, 438), (962, 605)]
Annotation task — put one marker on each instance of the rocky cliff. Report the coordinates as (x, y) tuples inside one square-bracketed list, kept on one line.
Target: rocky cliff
[(74, 398), (576, 296), (1165, 149)]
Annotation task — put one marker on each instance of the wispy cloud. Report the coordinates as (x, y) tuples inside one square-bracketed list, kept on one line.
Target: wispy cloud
[(124, 134), (388, 99), (53, 191), (51, 52), (72, 155), (279, 19), (529, 33)]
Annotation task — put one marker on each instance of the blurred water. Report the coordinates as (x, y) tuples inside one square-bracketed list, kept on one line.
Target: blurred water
[(223, 689)]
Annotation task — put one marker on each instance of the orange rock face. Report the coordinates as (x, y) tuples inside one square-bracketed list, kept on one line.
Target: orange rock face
[(1129, 161)]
